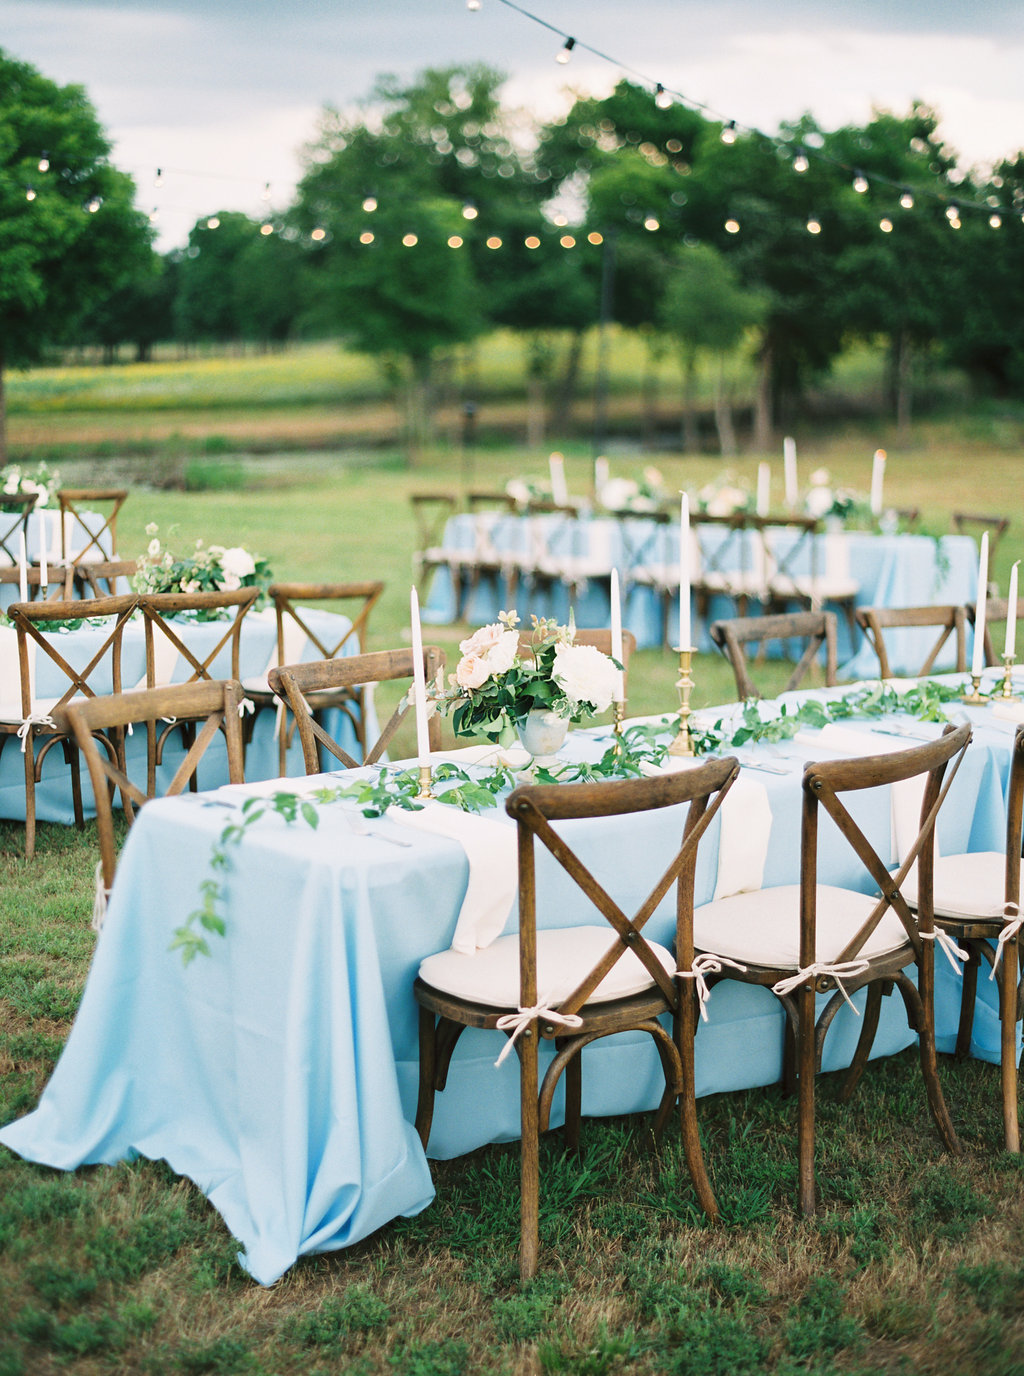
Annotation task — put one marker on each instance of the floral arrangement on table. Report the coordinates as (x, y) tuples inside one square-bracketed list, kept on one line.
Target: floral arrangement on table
[(523, 491), (825, 502), (496, 686), (725, 496), (628, 494), (43, 480), (209, 568)]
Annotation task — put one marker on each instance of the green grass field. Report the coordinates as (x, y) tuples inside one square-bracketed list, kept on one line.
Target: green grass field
[(913, 1263)]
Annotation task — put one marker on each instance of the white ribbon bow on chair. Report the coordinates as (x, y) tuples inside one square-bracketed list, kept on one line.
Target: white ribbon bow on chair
[(704, 965), (518, 1022), (1013, 926), (27, 723), (843, 970), (953, 952)]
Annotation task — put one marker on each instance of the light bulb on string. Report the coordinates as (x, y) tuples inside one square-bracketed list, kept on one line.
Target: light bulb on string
[(563, 55), (369, 204), (662, 99), (885, 225), (454, 241), (213, 222), (154, 215), (995, 221), (729, 132), (595, 238), (266, 228), (469, 211), (907, 200), (732, 226), (800, 162), (952, 212), (860, 183), (158, 179), (266, 191), (955, 222), (94, 205), (531, 241), (410, 240), (318, 234), (366, 237), (651, 223), (44, 163), (814, 225), (30, 193), (567, 241)]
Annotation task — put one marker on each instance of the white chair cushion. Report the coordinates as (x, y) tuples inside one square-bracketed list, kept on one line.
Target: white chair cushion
[(564, 955), (257, 683), (763, 928), (965, 885)]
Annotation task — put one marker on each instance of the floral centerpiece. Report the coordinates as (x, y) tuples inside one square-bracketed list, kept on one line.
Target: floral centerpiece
[(628, 494), (208, 568), (43, 480), (726, 496), (497, 685), (523, 491)]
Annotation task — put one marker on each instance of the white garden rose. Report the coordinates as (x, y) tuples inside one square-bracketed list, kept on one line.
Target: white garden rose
[(617, 493), (818, 501), (585, 675), (237, 563), (496, 645), (472, 671)]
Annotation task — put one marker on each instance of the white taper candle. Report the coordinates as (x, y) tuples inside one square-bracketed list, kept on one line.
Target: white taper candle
[(616, 618), (1011, 612), (877, 479), (980, 609), (684, 574), (789, 471), (22, 566), (419, 684)]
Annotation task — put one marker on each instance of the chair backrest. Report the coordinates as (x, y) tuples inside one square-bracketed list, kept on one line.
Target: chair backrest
[(105, 662), (15, 510), (787, 549), (166, 640), (292, 619), (818, 629), (976, 522), (102, 576), (490, 501), (297, 685), (79, 539), (216, 702), (823, 785), (430, 511), (55, 588), (949, 620), (996, 611), (1015, 823), (721, 552), (642, 537), (535, 808)]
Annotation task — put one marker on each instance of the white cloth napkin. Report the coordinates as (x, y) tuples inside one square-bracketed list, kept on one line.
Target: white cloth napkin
[(746, 818), (1007, 711), (10, 674), (905, 796), (492, 851)]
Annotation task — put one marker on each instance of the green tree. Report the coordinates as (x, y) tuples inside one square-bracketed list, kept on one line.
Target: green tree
[(69, 233), (206, 304), (139, 312)]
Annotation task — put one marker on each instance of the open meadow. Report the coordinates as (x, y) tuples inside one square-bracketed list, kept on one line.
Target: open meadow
[(914, 1260)]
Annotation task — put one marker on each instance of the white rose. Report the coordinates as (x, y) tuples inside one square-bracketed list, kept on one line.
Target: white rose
[(12, 482), (230, 582), (237, 563), (618, 492), (585, 675), (500, 657), (152, 528), (153, 548), (818, 501), (821, 477), (472, 671)]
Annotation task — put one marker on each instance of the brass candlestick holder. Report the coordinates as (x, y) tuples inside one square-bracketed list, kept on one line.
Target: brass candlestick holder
[(974, 697), (619, 710), (1007, 689), (425, 791), (683, 744)]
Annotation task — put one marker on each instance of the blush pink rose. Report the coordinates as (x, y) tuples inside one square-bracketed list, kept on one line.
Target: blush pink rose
[(472, 671)]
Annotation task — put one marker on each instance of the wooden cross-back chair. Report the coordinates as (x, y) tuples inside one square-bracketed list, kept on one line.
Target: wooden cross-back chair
[(216, 703), (34, 719), (173, 655), (299, 685), (947, 620), (801, 940), (302, 636), (15, 510), (723, 562), (100, 578), (975, 523), (814, 630), (55, 588), (431, 512), (75, 502), (977, 902), (996, 611), (573, 985)]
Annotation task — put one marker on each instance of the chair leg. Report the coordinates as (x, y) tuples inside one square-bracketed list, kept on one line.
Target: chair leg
[(968, 996), (529, 1146), (30, 795), (688, 1127), (573, 1101), (428, 1063), (872, 1008), (1008, 1044), (806, 1058), (922, 1001)]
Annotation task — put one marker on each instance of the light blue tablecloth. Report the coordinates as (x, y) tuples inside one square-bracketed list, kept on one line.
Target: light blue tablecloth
[(258, 649), (44, 535), (891, 571), (280, 1073)]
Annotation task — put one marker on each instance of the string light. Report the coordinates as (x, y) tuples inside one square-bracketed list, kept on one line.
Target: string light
[(154, 215), (729, 132), (567, 241), (732, 226), (266, 191), (860, 183), (494, 242), (531, 241), (885, 225), (266, 228), (952, 211), (800, 163), (213, 222), (469, 211), (995, 221), (410, 240), (94, 205), (814, 225), (318, 234), (366, 237), (369, 204), (594, 238), (454, 241), (651, 223), (907, 200), (955, 222), (563, 55), (44, 163), (158, 179), (662, 99), (30, 193)]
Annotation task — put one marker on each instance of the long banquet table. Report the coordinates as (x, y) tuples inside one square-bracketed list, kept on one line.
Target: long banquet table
[(258, 646), (279, 1073), (891, 570)]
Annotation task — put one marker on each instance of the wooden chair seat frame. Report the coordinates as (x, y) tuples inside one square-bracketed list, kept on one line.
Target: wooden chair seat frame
[(299, 685), (823, 785), (817, 629), (444, 1017)]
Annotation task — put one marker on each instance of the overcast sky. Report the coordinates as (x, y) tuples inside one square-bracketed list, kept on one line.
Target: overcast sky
[(221, 94)]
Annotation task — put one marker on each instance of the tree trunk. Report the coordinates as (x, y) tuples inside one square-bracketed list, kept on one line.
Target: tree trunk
[(763, 402), (691, 432), (535, 427), (567, 388), (649, 392), (3, 414), (723, 413), (903, 379), (419, 410)]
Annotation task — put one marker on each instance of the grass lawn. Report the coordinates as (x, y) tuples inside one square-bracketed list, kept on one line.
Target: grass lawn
[(913, 1263)]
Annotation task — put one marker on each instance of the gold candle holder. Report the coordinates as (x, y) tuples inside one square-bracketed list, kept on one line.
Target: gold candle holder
[(425, 791), (619, 709), (974, 697), (683, 744), (1007, 689)]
